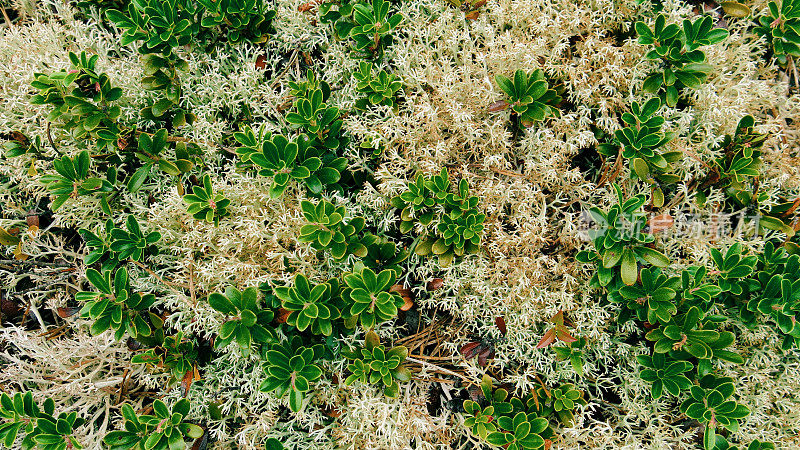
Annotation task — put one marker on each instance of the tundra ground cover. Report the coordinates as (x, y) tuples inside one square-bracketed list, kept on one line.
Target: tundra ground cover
[(383, 224)]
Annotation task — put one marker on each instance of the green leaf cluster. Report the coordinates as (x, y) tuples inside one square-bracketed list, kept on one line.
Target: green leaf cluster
[(321, 122), (379, 88), (72, 179), (382, 254), (249, 324), (174, 355), (286, 160), (82, 101), (205, 205), (780, 26), (515, 422), (641, 142), (289, 367), (373, 364), (621, 241), (239, 20), (371, 29), (710, 403), (572, 352), (114, 305), (21, 414), (328, 230), (165, 429), (683, 64), (451, 223), (530, 96), (110, 244), (370, 300), (150, 151), (312, 307)]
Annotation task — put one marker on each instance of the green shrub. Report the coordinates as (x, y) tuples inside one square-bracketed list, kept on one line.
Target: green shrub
[(677, 48), (380, 88), (73, 180), (165, 429), (572, 352), (115, 306), (709, 404), (285, 160), (665, 375), (373, 364), (370, 300), (641, 142), (311, 306), (529, 95), (173, 355), (205, 205), (20, 414), (239, 20), (780, 25), (382, 254), (520, 432), (654, 298), (82, 100), (113, 244), (459, 228), (621, 242), (518, 423), (327, 229), (149, 151), (315, 117), (371, 32), (249, 325), (161, 27), (289, 367)]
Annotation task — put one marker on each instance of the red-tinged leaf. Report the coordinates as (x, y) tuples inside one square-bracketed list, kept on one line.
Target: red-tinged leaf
[(32, 221), (308, 6), (408, 304), (19, 137), (648, 325), (501, 324), (472, 15), (563, 334), (498, 106), (282, 316), (547, 339), (558, 318), (400, 289), (261, 62), (186, 382), (485, 355), (68, 311), (435, 284), (469, 350), (547, 444)]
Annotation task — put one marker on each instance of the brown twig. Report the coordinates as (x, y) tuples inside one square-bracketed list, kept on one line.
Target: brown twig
[(442, 370), (54, 333), (122, 387), (433, 358), (157, 277), (50, 139), (30, 263), (189, 141), (8, 19)]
